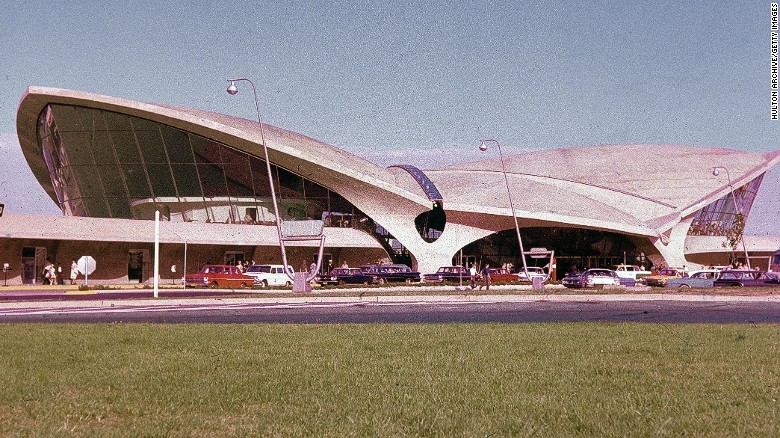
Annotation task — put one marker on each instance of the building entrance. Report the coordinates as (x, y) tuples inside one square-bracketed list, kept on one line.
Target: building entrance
[(136, 265), (33, 259)]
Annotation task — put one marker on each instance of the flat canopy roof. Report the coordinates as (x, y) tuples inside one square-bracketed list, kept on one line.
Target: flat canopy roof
[(16, 226)]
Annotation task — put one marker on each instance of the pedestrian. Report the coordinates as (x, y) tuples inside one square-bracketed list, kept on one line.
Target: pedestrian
[(60, 279), (486, 276), (48, 273), (74, 271), (473, 274)]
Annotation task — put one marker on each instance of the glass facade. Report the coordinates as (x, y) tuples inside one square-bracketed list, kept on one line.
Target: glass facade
[(106, 164), (718, 217)]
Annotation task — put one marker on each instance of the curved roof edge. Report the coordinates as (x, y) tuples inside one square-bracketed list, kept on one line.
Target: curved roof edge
[(288, 149), (771, 160)]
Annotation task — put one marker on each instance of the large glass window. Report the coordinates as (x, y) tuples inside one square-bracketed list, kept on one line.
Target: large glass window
[(719, 217), (107, 164)]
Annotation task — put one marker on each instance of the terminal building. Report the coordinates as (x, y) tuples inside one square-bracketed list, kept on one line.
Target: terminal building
[(110, 164)]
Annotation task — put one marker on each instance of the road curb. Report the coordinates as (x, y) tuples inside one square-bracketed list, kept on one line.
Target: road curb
[(396, 299)]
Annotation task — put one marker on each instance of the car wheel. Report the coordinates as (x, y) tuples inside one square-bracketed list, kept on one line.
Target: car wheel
[(214, 284), (408, 281), (287, 284), (264, 283), (341, 282), (684, 286), (242, 285), (381, 281)]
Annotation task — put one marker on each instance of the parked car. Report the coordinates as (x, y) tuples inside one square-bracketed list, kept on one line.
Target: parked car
[(502, 275), (663, 275), (218, 276), (700, 278), (448, 273), (533, 271), (745, 278), (633, 272), (391, 273), (592, 278), (270, 275), (343, 276)]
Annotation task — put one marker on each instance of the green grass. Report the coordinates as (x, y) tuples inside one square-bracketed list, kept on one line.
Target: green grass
[(581, 379)]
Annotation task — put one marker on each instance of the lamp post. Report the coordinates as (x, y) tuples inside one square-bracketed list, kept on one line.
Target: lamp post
[(232, 90), (483, 147), (715, 172)]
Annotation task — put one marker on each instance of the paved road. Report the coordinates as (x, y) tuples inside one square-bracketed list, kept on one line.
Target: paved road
[(519, 309)]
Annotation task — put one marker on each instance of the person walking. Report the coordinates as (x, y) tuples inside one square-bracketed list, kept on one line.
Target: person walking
[(473, 274), (486, 276), (74, 271), (48, 273)]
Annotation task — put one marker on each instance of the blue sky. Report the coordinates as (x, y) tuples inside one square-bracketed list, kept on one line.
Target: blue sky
[(418, 82)]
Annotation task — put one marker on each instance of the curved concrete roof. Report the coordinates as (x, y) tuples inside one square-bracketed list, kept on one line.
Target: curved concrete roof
[(642, 186), (636, 189), (317, 161)]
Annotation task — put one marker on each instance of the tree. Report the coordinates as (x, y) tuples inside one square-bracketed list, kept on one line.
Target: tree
[(734, 234)]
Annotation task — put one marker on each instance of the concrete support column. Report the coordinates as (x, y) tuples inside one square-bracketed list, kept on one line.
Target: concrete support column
[(672, 248)]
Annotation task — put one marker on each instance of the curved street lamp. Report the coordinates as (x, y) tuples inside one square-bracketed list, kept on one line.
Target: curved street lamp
[(233, 90), (715, 172), (483, 147)]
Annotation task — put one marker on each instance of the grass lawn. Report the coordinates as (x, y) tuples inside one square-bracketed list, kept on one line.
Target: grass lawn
[(579, 379)]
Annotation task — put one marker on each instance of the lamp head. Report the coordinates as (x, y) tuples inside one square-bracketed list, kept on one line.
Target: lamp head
[(715, 171), (483, 146), (232, 89)]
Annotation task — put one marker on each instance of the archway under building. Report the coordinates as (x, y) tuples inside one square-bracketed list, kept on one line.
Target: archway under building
[(574, 247)]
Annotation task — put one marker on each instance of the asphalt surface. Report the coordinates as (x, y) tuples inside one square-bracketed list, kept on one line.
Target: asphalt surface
[(203, 306), (414, 312)]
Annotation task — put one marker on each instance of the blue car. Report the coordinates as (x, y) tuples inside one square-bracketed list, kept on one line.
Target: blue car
[(701, 278)]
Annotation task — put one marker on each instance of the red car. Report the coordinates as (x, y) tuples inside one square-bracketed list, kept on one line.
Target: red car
[(219, 276), (501, 275)]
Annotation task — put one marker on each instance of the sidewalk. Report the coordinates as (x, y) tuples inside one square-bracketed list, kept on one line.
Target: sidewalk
[(59, 297)]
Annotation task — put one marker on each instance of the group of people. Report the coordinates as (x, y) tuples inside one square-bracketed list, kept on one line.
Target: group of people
[(243, 265), (485, 276), (53, 274)]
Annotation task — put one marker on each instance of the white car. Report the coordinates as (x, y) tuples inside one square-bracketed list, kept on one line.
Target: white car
[(270, 275), (593, 278), (633, 272), (533, 271)]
